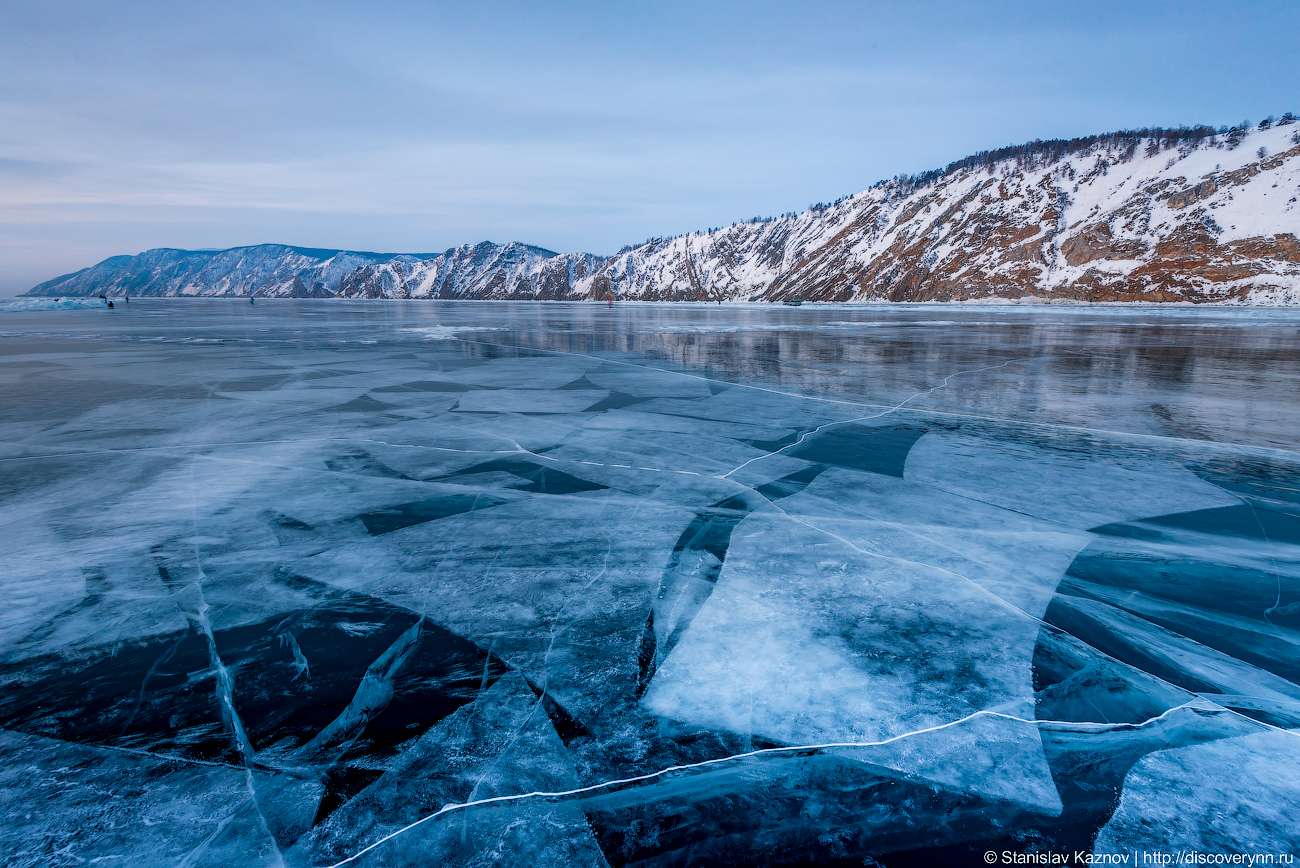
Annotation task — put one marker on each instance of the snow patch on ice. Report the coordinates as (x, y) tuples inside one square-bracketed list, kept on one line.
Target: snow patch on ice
[(448, 333)]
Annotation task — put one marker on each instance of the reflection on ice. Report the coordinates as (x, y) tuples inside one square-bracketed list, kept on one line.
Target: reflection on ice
[(562, 585)]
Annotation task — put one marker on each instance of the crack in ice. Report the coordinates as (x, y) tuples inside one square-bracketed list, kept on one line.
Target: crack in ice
[(541, 697), (893, 409), (1066, 725), (225, 688)]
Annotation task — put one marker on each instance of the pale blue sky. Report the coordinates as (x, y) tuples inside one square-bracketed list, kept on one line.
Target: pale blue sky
[(575, 126)]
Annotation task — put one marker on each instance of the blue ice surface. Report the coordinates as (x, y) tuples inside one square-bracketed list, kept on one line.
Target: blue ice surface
[(398, 583)]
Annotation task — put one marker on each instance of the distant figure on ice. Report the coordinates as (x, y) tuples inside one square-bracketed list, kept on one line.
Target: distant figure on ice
[(110, 304), (250, 300)]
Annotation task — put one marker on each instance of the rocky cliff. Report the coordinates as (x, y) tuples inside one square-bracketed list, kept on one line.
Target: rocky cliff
[(1193, 214)]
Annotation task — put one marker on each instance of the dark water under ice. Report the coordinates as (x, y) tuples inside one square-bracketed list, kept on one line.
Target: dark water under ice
[(323, 583)]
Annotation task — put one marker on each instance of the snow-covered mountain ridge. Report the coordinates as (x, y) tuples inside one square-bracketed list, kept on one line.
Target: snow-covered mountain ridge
[(483, 271), (1123, 219), (262, 270), (1159, 215)]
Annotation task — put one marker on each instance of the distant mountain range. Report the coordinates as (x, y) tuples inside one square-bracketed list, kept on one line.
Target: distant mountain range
[(1158, 215)]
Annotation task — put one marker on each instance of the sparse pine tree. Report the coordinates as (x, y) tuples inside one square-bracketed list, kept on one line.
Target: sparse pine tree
[(1286, 119), (1266, 123), (1262, 153)]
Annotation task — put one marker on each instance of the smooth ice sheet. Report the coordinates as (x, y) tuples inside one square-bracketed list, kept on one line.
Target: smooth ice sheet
[(1071, 489)]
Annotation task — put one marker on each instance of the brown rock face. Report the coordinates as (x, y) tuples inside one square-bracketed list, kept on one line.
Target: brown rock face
[(1183, 198), (1097, 242), (375, 281)]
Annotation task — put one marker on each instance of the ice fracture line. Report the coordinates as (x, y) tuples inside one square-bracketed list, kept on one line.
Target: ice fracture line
[(767, 751), (893, 409)]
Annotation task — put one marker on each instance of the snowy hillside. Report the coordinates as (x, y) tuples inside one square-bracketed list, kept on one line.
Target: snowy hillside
[(485, 270), (263, 270), (1156, 215), (1121, 218)]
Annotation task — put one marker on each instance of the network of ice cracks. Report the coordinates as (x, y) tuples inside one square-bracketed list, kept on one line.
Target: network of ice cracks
[(431, 598)]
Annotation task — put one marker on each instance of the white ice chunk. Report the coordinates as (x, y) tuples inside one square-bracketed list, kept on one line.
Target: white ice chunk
[(1018, 558), (808, 640), (1238, 795)]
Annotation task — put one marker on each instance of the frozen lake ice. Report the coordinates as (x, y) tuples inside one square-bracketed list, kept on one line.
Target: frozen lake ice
[(314, 583)]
